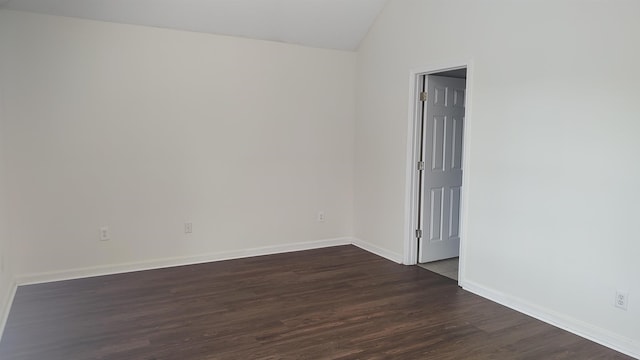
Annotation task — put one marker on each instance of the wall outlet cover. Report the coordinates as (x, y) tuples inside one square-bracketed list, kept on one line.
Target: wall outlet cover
[(622, 299), (104, 233)]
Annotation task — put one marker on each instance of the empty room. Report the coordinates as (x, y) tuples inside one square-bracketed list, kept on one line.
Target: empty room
[(319, 179)]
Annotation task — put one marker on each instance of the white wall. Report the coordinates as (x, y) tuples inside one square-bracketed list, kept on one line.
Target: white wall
[(553, 173), (7, 285), (143, 129)]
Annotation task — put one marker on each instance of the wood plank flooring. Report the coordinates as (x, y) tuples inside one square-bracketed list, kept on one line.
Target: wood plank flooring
[(333, 303)]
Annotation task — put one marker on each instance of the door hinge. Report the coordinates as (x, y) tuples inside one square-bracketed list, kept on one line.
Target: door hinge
[(420, 165), (423, 96), (419, 233)]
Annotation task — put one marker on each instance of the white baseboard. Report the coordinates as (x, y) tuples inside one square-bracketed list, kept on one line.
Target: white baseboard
[(367, 246), (601, 336), (6, 306), (70, 274), (44, 277)]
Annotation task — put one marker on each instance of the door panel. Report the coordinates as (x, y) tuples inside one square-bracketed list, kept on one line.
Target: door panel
[(438, 152), (442, 149), (456, 145), (458, 98), (454, 212), (437, 205)]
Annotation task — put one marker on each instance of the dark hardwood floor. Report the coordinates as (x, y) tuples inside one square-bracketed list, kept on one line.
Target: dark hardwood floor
[(333, 303)]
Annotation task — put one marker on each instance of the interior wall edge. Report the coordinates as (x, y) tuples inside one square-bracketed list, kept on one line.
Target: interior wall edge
[(596, 334), (6, 305), (377, 250)]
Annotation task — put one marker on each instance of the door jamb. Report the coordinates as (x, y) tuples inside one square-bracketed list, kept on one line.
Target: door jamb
[(410, 256)]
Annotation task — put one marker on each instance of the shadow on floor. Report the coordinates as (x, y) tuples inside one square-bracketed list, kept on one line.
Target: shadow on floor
[(448, 267)]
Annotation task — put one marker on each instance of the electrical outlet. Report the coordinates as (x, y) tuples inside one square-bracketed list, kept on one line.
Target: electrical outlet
[(104, 233), (188, 228), (320, 216), (622, 299)]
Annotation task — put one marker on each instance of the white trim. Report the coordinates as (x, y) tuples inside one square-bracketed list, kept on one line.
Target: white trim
[(79, 273), (410, 245), (466, 173), (596, 334), (70, 274), (410, 255), (6, 306), (374, 249)]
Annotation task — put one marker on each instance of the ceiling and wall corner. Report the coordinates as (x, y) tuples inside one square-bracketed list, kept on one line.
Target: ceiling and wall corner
[(333, 24)]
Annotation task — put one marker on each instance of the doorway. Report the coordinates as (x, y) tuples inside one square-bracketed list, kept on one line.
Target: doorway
[(438, 127)]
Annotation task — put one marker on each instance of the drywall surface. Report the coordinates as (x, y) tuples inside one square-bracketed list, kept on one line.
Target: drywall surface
[(7, 284), (553, 144), (6, 275), (144, 129)]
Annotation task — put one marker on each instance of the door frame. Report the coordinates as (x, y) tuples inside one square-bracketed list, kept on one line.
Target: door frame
[(410, 256)]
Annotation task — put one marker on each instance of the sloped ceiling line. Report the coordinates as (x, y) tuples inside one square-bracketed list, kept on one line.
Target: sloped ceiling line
[(332, 24)]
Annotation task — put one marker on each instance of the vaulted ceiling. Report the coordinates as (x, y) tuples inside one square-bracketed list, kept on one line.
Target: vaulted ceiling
[(333, 24)]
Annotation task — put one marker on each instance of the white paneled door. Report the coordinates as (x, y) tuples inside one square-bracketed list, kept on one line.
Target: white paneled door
[(441, 168)]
